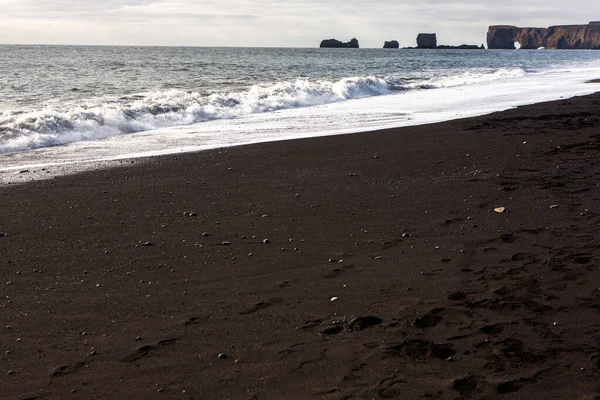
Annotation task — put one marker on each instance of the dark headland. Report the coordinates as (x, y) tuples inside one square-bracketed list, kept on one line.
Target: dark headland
[(565, 37), (458, 260)]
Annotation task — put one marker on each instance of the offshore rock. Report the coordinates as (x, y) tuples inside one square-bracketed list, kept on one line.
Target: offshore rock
[(333, 43), (426, 41), (391, 45), (429, 41), (566, 37), (461, 47)]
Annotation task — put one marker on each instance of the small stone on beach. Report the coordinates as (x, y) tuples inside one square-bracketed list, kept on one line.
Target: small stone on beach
[(223, 356), (500, 210)]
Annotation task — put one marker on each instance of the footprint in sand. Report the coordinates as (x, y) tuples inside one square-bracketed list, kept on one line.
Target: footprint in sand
[(145, 350)]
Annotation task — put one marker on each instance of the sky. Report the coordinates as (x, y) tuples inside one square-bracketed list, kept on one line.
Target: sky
[(266, 23)]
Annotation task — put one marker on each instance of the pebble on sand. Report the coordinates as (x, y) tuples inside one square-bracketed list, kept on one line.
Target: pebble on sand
[(2, 234), (500, 210), (334, 299), (223, 356)]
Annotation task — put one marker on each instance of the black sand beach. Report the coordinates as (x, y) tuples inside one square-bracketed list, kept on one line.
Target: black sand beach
[(362, 266)]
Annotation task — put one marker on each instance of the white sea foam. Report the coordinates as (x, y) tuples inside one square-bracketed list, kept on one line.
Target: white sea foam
[(475, 77), (54, 126)]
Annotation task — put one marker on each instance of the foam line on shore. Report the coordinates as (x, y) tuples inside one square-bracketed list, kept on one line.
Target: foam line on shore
[(359, 115)]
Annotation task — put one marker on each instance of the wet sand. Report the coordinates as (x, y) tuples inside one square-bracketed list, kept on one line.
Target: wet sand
[(362, 266)]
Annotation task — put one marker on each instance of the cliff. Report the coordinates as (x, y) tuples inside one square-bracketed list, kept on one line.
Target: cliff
[(391, 45), (333, 43), (574, 37)]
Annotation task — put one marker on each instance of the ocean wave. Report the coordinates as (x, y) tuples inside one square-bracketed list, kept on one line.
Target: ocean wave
[(462, 78), (53, 126)]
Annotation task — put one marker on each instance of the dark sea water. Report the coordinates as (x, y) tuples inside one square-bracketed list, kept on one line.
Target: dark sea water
[(55, 95)]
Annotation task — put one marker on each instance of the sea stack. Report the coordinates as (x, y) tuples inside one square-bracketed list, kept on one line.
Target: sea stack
[(426, 41), (334, 43), (391, 45)]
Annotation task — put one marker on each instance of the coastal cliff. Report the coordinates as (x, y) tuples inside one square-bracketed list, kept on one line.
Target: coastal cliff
[(574, 37), (391, 45), (333, 43)]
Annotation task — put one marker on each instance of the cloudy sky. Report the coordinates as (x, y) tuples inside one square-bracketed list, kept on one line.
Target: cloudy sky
[(291, 23)]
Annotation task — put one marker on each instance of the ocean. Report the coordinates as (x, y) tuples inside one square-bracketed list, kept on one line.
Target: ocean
[(80, 105)]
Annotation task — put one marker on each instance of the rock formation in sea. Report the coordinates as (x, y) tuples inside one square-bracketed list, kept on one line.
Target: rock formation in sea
[(573, 37), (391, 45), (429, 41), (333, 43), (426, 41), (461, 47)]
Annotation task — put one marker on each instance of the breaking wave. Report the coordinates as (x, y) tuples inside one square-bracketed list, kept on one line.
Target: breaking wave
[(53, 126)]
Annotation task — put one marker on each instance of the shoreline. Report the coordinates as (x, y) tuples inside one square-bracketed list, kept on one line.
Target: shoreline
[(372, 265), (48, 165)]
